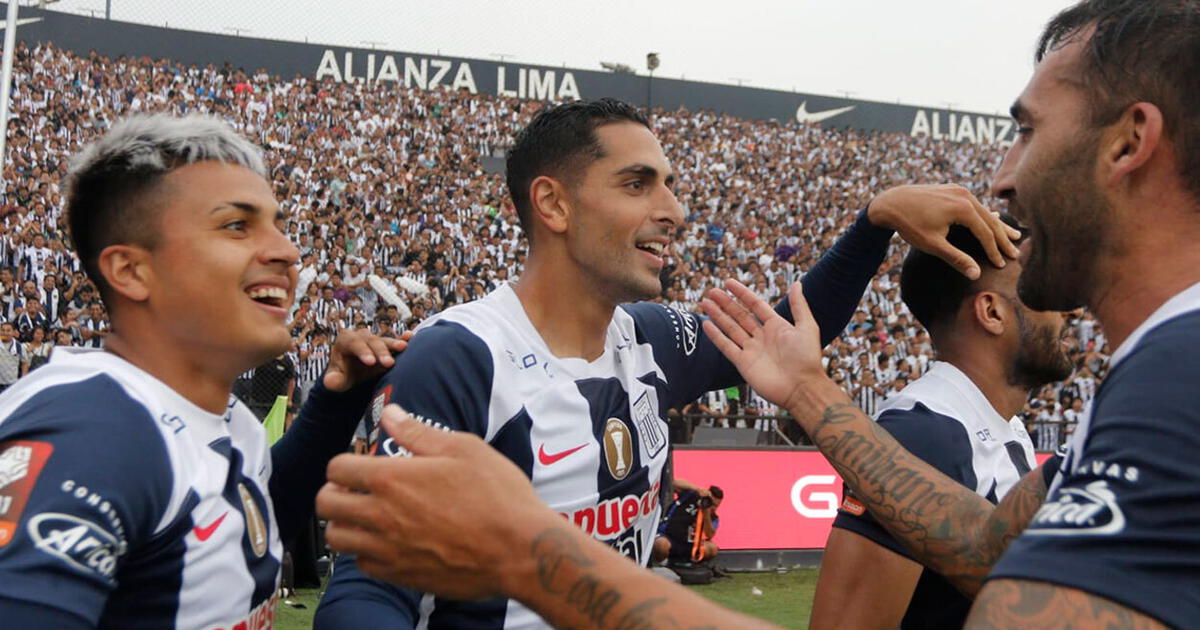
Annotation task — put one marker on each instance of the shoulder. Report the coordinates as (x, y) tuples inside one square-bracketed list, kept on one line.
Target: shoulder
[(939, 439), (661, 325)]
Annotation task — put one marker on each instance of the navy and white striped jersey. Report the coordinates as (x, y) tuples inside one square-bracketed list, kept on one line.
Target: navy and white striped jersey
[(124, 505), (592, 436), (1122, 520), (945, 420)]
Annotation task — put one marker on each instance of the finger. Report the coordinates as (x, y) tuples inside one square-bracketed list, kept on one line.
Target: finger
[(1003, 234), (352, 540), (381, 351), (359, 473), (751, 301), (801, 314), (407, 335), (955, 257), (980, 222), (728, 325), (336, 503), (731, 350), (418, 437)]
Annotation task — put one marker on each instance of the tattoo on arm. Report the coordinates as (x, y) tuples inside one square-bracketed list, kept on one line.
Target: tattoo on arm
[(947, 526), (1027, 604), (565, 572)]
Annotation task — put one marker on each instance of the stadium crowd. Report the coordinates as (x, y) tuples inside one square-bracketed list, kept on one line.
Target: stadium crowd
[(395, 200)]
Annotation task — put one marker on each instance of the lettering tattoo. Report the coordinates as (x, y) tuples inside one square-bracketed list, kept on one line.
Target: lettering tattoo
[(565, 572), (947, 526), (1027, 604)]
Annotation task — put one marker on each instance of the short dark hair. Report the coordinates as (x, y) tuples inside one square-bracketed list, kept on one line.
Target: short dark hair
[(561, 141), (931, 288), (108, 181), (1140, 50), (716, 492)]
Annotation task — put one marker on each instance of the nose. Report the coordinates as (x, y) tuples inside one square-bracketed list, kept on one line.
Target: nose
[(670, 212), (1004, 180), (279, 248)]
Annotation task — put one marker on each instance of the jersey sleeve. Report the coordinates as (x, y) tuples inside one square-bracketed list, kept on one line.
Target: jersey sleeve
[(1124, 521), (85, 480), (934, 438), (833, 288), (445, 376)]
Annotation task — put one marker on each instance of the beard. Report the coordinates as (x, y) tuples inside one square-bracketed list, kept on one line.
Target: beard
[(1041, 358), (1069, 221)]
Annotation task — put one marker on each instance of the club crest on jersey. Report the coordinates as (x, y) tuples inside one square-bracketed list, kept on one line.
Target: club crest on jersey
[(618, 448), (649, 426), (256, 527), (1092, 509)]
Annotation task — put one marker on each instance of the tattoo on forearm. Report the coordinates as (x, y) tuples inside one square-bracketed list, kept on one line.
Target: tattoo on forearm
[(566, 572), (1027, 604), (947, 526)]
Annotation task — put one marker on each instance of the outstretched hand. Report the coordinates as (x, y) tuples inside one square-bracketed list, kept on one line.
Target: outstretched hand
[(358, 356), (922, 215), (774, 356)]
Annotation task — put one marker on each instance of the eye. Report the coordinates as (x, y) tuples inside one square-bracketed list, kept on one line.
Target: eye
[(636, 184), (1024, 131), (236, 226)]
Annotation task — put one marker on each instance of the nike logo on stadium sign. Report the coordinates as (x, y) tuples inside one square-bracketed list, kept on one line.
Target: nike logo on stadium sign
[(805, 116), (547, 459), (204, 533)]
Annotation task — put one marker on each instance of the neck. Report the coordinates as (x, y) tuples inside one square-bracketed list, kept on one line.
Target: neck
[(989, 375), (1140, 282), (203, 386), (570, 316)]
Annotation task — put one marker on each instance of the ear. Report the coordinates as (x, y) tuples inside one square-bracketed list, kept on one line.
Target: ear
[(126, 268), (1136, 136), (988, 312), (551, 204)]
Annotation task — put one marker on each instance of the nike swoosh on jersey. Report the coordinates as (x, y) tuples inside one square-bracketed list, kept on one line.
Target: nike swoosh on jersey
[(204, 533), (803, 115), (547, 459)]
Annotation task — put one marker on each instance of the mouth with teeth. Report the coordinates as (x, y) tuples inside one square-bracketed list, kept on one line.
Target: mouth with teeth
[(655, 249), (270, 296)]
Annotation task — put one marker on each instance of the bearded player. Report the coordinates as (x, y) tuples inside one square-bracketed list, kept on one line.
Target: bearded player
[(135, 492), (570, 378), (960, 417)]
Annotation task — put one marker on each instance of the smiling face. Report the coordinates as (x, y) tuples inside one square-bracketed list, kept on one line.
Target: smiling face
[(1049, 179), (623, 214), (223, 275)]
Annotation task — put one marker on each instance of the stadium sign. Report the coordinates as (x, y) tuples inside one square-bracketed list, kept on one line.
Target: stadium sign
[(429, 72)]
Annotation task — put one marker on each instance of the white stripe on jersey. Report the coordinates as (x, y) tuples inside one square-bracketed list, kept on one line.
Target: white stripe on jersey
[(946, 390), (216, 586)]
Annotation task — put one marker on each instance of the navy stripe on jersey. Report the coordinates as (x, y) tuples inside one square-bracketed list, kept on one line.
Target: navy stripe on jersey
[(1123, 521), (445, 374), (263, 567), (108, 445), (943, 442), (513, 441)]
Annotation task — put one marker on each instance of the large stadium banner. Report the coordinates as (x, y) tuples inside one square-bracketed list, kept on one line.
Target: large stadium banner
[(774, 499), (428, 72)]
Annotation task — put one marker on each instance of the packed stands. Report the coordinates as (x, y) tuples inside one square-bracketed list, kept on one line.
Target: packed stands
[(401, 184)]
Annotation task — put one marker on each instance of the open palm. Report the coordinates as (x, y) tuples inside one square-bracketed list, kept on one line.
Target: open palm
[(774, 356)]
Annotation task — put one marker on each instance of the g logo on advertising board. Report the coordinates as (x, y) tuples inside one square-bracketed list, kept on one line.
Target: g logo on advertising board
[(817, 504)]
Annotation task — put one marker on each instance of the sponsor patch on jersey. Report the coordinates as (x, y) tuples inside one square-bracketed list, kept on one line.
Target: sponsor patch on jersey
[(686, 330), (1092, 509), (648, 425), (618, 448), (256, 527), (853, 506), (80, 543), (21, 463)]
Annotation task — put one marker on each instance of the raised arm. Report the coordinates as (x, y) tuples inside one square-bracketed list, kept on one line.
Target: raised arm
[(945, 525)]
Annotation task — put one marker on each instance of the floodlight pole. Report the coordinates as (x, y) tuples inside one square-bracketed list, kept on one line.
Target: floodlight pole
[(10, 45)]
